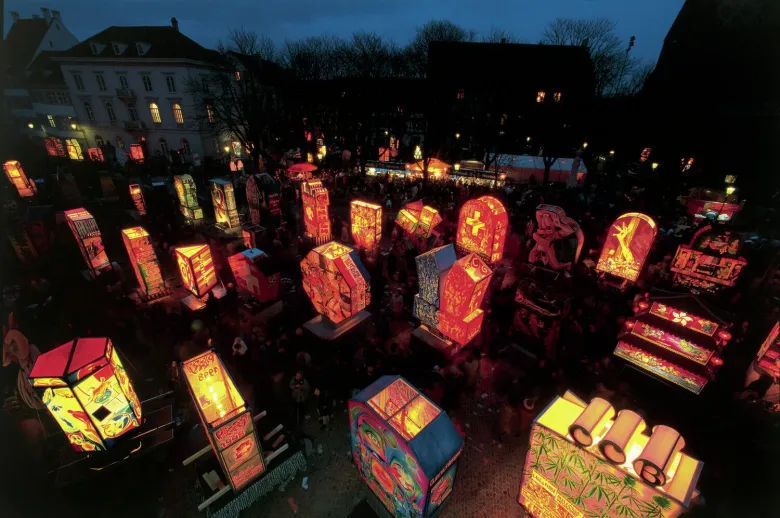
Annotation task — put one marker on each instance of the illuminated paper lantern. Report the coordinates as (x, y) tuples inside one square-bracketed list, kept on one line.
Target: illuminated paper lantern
[(137, 153), (224, 200), (23, 185), (628, 243), (656, 458), (22, 244), (197, 268), (87, 234), (418, 220), (336, 281), (623, 432), (315, 211), (187, 193), (54, 146), (555, 227), (366, 219), (711, 262), (558, 476), (393, 430), (137, 195), (87, 391), (95, 154), (144, 260), (482, 227), (591, 421), (226, 418), (255, 275), (252, 235), (432, 266)]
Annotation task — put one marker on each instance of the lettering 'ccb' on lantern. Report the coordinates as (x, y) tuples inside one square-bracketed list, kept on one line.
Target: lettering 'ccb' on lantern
[(24, 186), (366, 221), (482, 228), (197, 269)]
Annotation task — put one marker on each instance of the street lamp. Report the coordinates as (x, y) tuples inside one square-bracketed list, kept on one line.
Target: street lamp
[(227, 149), (655, 166), (730, 190), (387, 132), (528, 139), (585, 145), (612, 152), (31, 125), (73, 126), (457, 167), (457, 135)]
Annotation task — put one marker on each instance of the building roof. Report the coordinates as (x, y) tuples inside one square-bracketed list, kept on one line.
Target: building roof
[(43, 72), (23, 40), (164, 42)]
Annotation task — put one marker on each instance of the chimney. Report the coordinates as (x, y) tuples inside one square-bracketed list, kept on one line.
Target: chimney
[(46, 14), (14, 16), (56, 15), (175, 23)]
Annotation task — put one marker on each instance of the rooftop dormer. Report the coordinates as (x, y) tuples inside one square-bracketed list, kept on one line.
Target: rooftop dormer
[(118, 48), (96, 47), (142, 48)]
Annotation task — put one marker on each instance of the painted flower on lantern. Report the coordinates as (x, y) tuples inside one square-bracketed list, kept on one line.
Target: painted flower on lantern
[(681, 317)]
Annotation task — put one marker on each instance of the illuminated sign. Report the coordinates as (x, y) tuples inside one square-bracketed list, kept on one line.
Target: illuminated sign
[(226, 418), (587, 460), (315, 211), (88, 393), (710, 262), (389, 422), (253, 274), (197, 268), (628, 243), (366, 219), (144, 260), (187, 193), (482, 227), (23, 185), (137, 195), (224, 200), (336, 281), (556, 228), (87, 234)]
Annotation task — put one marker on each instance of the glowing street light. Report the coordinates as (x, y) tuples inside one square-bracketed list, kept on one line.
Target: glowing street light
[(612, 152), (457, 167), (31, 125), (528, 139), (73, 125), (730, 190), (457, 135), (584, 145), (655, 166)]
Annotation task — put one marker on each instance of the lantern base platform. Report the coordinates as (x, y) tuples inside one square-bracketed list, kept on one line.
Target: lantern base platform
[(324, 329), (194, 303), (438, 343)]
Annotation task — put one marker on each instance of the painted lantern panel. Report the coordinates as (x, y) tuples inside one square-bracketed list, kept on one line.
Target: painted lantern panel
[(197, 268), (628, 242), (23, 185), (482, 227), (144, 260), (252, 276), (137, 195), (90, 241), (315, 211), (224, 200), (366, 219)]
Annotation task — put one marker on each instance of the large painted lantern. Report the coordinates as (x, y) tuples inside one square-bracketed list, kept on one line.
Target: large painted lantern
[(669, 341), (197, 269), (137, 153), (315, 211), (366, 219), (482, 227), (711, 262), (226, 418), (768, 356), (23, 185), (137, 195), (253, 199), (224, 200), (405, 447), (87, 234), (255, 275), (628, 242), (558, 239), (418, 220), (88, 393), (144, 260), (336, 281), (188, 199), (586, 459)]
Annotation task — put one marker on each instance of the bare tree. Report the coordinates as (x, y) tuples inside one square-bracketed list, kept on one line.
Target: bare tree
[(435, 30), (498, 35), (636, 82), (367, 55), (313, 58)]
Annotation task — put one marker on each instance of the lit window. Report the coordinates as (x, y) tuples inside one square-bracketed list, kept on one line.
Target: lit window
[(461, 94), (132, 111), (74, 149), (557, 97), (540, 95), (88, 110), (155, 113), (147, 83), (116, 48), (238, 75), (178, 115), (110, 111), (210, 113), (185, 145), (51, 121), (170, 83), (120, 142), (101, 81), (164, 146), (98, 141), (78, 81), (123, 82)]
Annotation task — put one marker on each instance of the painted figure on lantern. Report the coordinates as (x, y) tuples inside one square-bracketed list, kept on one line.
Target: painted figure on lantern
[(255, 275), (482, 227), (187, 193), (711, 262), (366, 224), (581, 453), (88, 393), (558, 238), (628, 242), (336, 281), (90, 241), (224, 200), (393, 429), (315, 211), (24, 186)]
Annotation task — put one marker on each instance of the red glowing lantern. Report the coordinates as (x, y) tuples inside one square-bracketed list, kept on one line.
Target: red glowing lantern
[(366, 225), (254, 275), (137, 153), (24, 186), (336, 281), (482, 227), (224, 200), (95, 154), (711, 262), (144, 261), (54, 146), (137, 195), (315, 211), (627, 245), (197, 269), (90, 241)]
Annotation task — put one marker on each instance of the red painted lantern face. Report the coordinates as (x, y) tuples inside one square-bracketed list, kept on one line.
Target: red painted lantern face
[(482, 228)]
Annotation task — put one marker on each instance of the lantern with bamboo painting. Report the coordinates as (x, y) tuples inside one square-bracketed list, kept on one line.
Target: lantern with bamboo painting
[(629, 240), (315, 211), (224, 200), (197, 269), (647, 464), (23, 185), (144, 260), (137, 195), (187, 193), (225, 417), (87, 234), (88, 393), (366, 219), (482, 227)]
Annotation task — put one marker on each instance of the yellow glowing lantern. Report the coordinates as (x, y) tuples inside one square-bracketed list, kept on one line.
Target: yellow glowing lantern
[(654, 462), (31, 125), (224, 200), (457, 167), (366, 219), (417, 153), (655, 166), (309, 158), (584, 145), (730, 190), (592, 421), (24, 186), (623, 432), (611, 151)]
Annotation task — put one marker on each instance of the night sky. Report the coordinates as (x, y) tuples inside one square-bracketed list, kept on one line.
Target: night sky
[(206, 21)]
